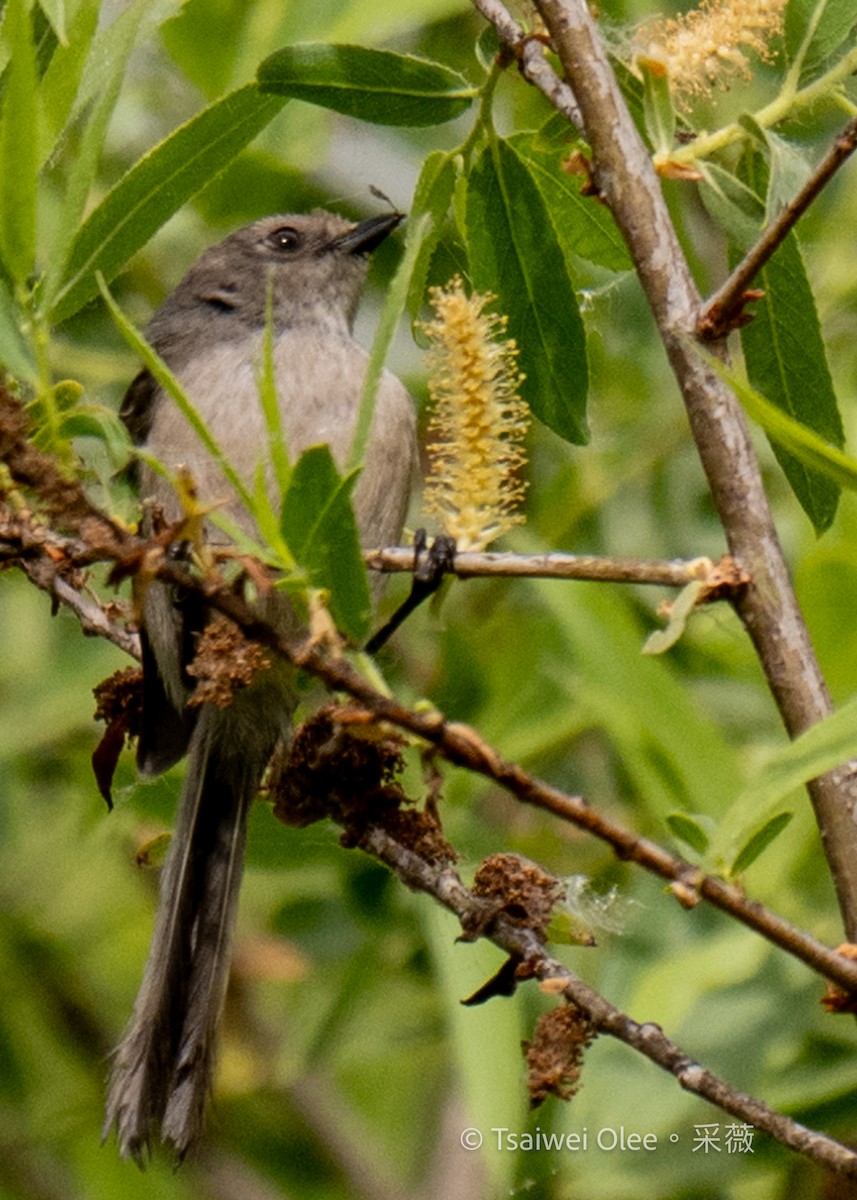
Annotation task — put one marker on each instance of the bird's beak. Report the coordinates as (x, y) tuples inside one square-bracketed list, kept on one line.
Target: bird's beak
[(367, 235)]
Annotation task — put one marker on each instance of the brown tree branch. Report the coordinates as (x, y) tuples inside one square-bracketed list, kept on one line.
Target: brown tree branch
[(725, 307), (627, 183), (647, 1039), (530, 56), (462, 746), (720, 577)]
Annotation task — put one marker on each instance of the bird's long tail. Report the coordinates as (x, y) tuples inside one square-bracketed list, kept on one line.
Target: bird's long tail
[(162, 1069)]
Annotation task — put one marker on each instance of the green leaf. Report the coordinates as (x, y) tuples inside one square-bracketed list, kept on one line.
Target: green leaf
[(270, 403), (690, 830), (515, 255), (787, 167), (760, 841), (16, 356), (789, 171), (815, 29), (55, 12), (582, 225), (732, 205), (487, 47), (786, 361), (658, 109), (794, 437), (155, 187), (61, 80), (394, 306), (18, 145), (318, 526), (106, 63), (685, 602), (821, 748), (372, 85), (432, 195)]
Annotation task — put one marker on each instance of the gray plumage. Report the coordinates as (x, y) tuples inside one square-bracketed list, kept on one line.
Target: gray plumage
[(209, 331)]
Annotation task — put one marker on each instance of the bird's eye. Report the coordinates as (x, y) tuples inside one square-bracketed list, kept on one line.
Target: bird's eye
[(286, 240)]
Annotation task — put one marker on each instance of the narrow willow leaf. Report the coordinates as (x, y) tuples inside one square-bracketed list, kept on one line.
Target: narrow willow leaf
[(16, 356), (61, 80), (731, 204), (270, 402), (817, 28), (109, 51), (821, 748), (372, 85), (135, 20), (786, 361), (689, 830), (55, 12), (433, 196), (802, 443), (155, 187), (582, 225), (515, 255), (658, 109), (685, 602), (789, 171), (318, 525), (759, 841), (18, 145), (394, 306)]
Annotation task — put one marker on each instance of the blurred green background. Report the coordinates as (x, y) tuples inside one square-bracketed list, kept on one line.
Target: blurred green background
[(349, 1068)]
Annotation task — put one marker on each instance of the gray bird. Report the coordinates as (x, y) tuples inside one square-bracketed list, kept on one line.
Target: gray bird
[(209, 332)]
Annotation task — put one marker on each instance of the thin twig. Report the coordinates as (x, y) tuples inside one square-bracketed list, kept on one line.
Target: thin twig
[(663, 572), (530, 55), (648, 1039), (93, 616), (726, 305)]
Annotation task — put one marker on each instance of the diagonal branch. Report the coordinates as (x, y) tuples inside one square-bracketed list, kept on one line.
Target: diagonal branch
[(648, 1039), (725, 307), (529, 53)]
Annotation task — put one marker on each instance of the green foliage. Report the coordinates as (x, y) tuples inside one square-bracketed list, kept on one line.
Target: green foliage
[(318, 526), (786, 361), (18, 145), (582, 228), (815, 30), (514, 255), (153, 190), (372, 85), (783, 347), (345, 1017)]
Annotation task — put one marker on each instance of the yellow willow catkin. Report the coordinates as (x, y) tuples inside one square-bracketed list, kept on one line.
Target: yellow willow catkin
[(478, 421), (702, 48)]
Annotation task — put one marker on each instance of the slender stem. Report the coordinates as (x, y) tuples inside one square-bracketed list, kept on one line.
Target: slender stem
[(529, 52), (663, 573), (826, 87), (727, 302), (629, 186), (604, 1017)]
